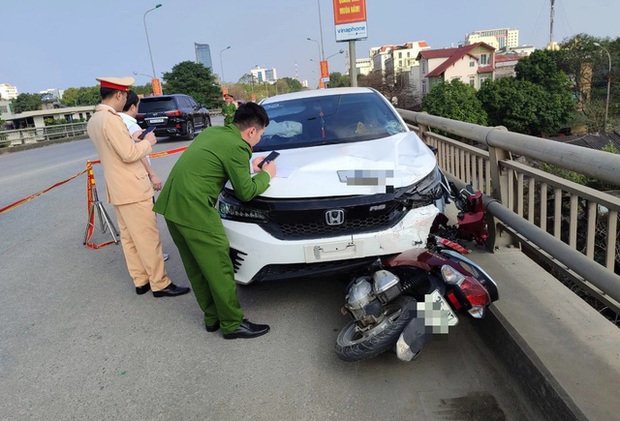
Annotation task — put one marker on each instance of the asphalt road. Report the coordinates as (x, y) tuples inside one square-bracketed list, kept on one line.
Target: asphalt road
[(78, 343)]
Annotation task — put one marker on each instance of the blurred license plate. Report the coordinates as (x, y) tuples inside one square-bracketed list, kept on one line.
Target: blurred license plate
[(333, 251), (437, 312), (156, 120)]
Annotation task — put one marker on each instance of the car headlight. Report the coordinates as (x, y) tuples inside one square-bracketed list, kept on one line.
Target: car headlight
[(429, 188), (229, 207)]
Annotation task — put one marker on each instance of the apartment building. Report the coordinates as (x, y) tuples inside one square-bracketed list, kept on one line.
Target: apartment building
[(500, 39), (8, 91), (395, 59), (264, 75)]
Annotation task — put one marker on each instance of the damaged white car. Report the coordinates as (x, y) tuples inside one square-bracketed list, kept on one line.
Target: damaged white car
[(352, 183)]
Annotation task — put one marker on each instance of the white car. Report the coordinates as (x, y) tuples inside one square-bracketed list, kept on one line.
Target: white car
[(352, 183)]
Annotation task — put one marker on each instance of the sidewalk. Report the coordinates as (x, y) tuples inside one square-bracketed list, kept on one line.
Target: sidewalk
[(562, 352)]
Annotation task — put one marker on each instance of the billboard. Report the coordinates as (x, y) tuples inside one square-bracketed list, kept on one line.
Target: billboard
[(350, 20)]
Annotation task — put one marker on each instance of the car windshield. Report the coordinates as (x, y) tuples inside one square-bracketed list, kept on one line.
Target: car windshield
[(153, 105), (328, 119)]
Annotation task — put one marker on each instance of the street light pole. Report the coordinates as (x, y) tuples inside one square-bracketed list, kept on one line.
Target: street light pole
[(318, 3), (608, 83), (148, 43), (222, 62), (335, 54), (320, 55)]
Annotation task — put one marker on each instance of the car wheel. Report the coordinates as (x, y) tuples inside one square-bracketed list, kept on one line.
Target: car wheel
[(189, 130)]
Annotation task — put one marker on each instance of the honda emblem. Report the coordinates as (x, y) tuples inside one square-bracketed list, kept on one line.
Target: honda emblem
[(334, 217)]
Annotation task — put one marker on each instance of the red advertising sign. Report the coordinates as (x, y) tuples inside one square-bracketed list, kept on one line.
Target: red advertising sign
[(348, 11), (324, 71), (156, 87)]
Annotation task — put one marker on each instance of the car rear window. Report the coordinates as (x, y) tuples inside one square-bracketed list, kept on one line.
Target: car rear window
[(328, 119), (153, 105)]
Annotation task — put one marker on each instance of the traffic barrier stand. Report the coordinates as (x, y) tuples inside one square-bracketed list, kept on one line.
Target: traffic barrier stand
[(95, 206)]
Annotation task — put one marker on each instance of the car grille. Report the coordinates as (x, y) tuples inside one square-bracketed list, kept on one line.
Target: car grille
[(312, 224)]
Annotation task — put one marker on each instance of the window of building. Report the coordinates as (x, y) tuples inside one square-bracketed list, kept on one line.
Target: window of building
[(484, 59), (472, 81), (472, 63)]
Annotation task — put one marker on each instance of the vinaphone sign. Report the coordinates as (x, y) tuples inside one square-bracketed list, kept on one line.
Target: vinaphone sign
[(350, 20)]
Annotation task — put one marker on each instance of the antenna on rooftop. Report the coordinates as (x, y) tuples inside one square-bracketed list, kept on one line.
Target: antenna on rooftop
[(551, 22)]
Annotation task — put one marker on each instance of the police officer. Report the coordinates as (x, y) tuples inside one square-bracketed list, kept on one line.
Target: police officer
[(187, 202), (129, 189)]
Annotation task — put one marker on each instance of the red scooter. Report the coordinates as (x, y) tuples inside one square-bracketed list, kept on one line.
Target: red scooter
[(400, 301)]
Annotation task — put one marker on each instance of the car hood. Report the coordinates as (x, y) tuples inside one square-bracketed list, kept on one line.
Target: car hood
[(359, 168)]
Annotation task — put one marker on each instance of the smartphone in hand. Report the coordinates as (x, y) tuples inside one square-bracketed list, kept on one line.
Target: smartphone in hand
[(146, 131), (273, 155)]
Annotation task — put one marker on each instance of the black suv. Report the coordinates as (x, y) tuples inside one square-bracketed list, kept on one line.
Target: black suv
[(173, 115)]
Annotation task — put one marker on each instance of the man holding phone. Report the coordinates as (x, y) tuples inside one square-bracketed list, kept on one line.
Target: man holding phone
[(130, 111), (218, 154), (129, 189)]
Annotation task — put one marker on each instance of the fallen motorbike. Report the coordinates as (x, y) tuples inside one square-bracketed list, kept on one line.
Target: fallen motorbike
[(400, 301)]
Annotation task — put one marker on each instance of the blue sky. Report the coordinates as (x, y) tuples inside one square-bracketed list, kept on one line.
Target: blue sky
[(67, 43)]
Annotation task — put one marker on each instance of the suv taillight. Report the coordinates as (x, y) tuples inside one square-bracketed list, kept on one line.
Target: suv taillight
[(140, 115), (174, 113)]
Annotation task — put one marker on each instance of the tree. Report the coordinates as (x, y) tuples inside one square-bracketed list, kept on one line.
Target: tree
[(27, 102), (455, 100), (144, 90), (338, 80), (539, 101), (587, 66), (292, 85), (74, 97), (518, 105), (196, 80)]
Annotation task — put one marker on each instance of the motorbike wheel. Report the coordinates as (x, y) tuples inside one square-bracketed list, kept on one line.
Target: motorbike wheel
[(352, 345)]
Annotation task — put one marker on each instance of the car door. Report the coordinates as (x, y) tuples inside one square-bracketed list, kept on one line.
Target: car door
[(199, 119)]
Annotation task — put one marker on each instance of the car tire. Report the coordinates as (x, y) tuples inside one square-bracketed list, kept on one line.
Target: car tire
[(189, 131)]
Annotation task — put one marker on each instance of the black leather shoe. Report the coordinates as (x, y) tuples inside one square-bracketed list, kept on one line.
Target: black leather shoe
[(143, 289), (213, 328), (171, 291), (246, 330)]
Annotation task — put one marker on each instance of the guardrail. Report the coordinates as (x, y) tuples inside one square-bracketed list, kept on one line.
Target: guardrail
[(573, 227), (41, 134)]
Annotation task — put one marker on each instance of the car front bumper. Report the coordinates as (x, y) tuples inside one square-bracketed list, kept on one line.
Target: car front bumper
[(258, 249)]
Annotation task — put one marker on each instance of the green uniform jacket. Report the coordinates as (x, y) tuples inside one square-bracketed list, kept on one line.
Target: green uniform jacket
[(217, 155), (228, 110)]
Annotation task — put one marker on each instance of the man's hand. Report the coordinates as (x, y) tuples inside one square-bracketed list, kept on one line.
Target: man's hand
[(150, 137), (155, 181), (269, 166)]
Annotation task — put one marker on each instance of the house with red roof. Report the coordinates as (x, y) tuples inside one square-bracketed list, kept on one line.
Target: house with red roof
[(471, 64)]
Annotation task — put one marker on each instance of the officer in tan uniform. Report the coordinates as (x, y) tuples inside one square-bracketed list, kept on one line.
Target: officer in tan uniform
[(129, 189)]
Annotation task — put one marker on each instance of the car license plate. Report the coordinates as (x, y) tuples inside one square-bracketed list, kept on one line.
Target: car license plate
[(437, 312), (332, 251), (156, 120)]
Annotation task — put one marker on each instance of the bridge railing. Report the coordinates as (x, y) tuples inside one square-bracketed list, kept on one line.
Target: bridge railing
[(41, 134), (573, 227)]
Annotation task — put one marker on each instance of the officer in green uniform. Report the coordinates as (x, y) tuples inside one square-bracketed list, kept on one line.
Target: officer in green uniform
[(228, 108), (187, 202)]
